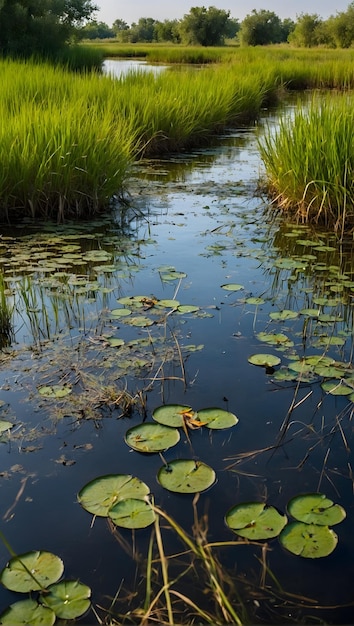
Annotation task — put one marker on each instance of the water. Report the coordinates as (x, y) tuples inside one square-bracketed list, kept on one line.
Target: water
[(199, 214), (121, 67)]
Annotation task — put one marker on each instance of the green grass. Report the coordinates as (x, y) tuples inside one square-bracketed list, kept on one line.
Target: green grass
[(67, 140), (309, 162)]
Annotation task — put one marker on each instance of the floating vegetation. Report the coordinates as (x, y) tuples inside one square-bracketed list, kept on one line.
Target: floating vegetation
[(316, 508), (151, 437), (186, 476), (101, 494), (184, 416), (32, 571), (308, 540), (264, 360), (255, 520)]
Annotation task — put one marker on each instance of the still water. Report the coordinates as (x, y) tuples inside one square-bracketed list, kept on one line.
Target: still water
[(195, 230)]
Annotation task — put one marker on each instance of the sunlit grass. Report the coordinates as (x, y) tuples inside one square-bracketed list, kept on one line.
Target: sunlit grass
[(309, 162)]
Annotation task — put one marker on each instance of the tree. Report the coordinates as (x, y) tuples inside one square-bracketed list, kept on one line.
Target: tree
[(144, 30), (341, 27), (168, 30), (97, 30), (30, 27), (261, 28), (306, 31), (206, 27)]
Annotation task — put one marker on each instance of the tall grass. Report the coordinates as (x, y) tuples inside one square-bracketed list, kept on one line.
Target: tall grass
[(67, 140), (309, 162)]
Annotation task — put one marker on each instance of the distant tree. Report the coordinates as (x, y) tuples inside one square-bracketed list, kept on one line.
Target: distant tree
[(232, 28), (168, 30), (97, 30), (119, 25), (143, 31), (287, 27), (206, 27), (261, 28), (28, 27), (341, 27), (307, 30)]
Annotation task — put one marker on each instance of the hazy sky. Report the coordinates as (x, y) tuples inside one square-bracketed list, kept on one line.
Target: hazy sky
[(131, 10)]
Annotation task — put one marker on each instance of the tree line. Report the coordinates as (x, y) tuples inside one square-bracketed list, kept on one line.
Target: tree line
[(213, 27)]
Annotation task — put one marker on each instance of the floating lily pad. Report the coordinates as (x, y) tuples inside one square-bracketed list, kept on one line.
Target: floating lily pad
[(316, 359), (187, 308), (285, 314), (289, 264), (337, 388), (310, 312), (255, 520), (32, 571), (217, 419), (152, 437), (54, 391), (68, 599), (255, 301), (27, 613), (4, 426), (310, 541), (173, 276), (273, 339), (264, 360), (121, 312), (171, 414), (316, 508), (232, 287), (116, 342), (132, 513), (140, 321), (168, 304), (101, 494), (186, 476)]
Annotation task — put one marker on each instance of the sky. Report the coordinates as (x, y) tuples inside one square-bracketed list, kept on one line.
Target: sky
[(131, 10)]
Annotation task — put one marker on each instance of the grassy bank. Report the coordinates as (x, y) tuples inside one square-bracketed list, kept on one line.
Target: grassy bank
[(310, 163), (67, 140)]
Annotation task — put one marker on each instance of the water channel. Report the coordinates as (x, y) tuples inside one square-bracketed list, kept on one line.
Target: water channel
[(195, 229)]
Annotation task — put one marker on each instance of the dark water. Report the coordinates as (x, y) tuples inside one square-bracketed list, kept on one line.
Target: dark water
[(201, 214)]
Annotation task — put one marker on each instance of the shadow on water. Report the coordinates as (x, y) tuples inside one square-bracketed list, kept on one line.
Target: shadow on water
[(96, 346)]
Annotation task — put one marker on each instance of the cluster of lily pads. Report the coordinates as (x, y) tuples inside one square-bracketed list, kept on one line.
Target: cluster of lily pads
[(40, 571), (124, 498), (309, 536)]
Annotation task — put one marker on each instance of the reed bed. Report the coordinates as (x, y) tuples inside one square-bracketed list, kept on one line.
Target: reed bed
[(309, 162), (68, 140)]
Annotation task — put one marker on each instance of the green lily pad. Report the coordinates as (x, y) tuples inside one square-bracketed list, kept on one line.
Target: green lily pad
[(101, 494), (232, 287), (302, 366), (171, 414), (140, 321), (168, 304), (273, 339), (54, 391), (32, 571), (116, 342), (316, 359), (173, 276), (68, 599), (132, 513), (27, 613), (255, 520), (4, 426), (121, 312), (264, 360), (186, 476), (217, 419), (328, 371), (289, 264), (336, 388), (187, 308), (310, 541), (315, 508), (255, 301), (310, 312), (285, 314), (154, 437)]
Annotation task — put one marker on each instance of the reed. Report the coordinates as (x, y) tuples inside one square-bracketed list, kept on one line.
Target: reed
[(309, 162)]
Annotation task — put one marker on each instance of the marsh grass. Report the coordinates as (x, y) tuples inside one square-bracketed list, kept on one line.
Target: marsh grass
[(309, 162), (68, 140)]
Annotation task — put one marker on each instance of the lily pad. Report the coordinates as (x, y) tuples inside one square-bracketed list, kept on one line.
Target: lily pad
[(337, 388), (273, 339), (116, 342), (32, 571), (316, 508), (186, 476), (54, 391), (68, 599), (4, 426), (121, 312), (168, 304), (264, 360), (232, 287), (255, 520), (132, 513), (310, 541), (255, 301), (187, 308), (217, 419), (171, 414), (149, 437), (27, 613), (140, 321), (101, 494), (285, 314)]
